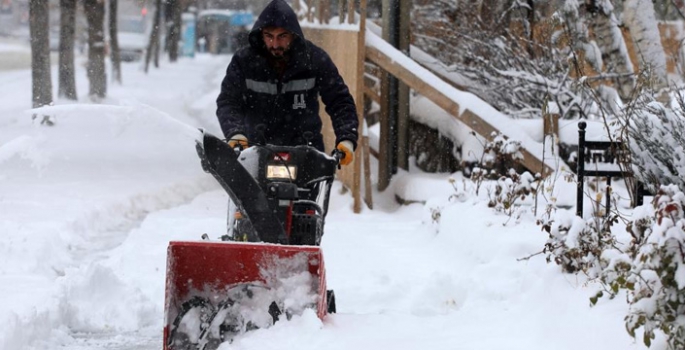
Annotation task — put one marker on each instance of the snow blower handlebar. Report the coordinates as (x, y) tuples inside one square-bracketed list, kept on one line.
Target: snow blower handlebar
[(338, 155)]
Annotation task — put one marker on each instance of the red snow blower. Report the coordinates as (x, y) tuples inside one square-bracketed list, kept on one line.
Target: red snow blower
[(269, 265)]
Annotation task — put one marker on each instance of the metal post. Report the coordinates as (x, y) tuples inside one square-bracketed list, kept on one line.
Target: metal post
[(403, 38), (387, 165), (608, 199), (639, 191), (580, 168)]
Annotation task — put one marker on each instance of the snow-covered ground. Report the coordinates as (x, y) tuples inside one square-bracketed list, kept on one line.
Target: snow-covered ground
[(88, 206)]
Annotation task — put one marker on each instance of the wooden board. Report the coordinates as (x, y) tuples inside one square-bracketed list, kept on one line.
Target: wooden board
[(472, 120), (349, 58)]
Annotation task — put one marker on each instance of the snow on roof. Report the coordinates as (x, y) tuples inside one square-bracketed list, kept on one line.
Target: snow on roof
[(218, 12)]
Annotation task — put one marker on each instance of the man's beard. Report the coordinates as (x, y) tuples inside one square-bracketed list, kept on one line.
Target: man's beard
[(278, 53)]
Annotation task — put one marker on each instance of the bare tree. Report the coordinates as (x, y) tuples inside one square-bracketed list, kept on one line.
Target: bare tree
[(640, 18), (153, 45), (40, 55), (95, 15), (614, 51), (490, 47), (174, 35), (114, 53), (66, 77)]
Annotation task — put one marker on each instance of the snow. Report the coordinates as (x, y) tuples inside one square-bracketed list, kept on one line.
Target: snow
[(88, 206), (465, 100), (333, 24)]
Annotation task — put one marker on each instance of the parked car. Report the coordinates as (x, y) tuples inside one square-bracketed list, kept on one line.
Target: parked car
[(133, 37)]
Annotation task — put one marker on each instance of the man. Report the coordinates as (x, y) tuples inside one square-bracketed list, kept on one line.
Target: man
[(271, 89)]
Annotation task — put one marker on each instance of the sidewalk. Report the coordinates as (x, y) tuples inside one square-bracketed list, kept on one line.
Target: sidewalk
[(72, 191)]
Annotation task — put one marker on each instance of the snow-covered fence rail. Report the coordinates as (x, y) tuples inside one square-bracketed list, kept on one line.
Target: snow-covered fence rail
[(467, 108)]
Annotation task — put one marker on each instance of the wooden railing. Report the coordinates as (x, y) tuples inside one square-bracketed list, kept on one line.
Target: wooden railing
[(531, 161)]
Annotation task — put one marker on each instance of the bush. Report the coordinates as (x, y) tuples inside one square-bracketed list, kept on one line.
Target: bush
[(577, 245), (656, 143), (651, 270), (507, 192), (655, 281)]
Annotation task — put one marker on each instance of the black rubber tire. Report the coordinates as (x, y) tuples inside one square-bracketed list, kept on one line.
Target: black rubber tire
[(330, 298)]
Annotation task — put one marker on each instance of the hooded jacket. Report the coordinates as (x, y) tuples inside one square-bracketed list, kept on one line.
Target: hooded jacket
[(267, 107)]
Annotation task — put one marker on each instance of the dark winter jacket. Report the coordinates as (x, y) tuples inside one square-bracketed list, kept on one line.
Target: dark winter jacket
[(256, 102)]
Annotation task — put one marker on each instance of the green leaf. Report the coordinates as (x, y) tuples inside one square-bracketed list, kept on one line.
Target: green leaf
[(593, 300)]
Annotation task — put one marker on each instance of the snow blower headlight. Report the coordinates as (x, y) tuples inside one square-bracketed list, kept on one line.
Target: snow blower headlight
[(281, 172)]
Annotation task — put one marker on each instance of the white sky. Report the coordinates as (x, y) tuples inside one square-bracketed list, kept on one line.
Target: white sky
[(87, 208)]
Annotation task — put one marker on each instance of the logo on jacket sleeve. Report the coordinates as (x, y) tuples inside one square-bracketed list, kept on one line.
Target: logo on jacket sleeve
[(299, 102)]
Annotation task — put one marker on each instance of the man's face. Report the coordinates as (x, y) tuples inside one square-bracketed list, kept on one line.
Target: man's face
[(277, 40)]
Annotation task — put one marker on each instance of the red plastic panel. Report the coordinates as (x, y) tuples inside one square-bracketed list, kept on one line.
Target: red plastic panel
[(209, 268)]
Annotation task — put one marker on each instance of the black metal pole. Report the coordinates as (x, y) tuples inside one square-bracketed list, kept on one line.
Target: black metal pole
[(580, 167), (639, 191), (393, 83), (608, 199)]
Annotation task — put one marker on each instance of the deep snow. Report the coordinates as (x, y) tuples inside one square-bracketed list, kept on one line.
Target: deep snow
[(88, 206)]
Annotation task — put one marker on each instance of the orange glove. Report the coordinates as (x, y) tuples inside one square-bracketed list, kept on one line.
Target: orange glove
[(347, 149), (237, 140)]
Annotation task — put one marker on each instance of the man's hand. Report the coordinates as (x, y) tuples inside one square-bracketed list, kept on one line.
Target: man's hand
[(347, 149), (237, 140)]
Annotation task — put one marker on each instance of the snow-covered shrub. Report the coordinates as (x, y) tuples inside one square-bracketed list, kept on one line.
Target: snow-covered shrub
[(498, 158), (514, 55), (577, 245), (509, 187), (652, 271), (506, 194), (655, 135)]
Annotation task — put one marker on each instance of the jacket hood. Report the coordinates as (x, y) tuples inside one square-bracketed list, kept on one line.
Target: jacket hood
[(276, 14)]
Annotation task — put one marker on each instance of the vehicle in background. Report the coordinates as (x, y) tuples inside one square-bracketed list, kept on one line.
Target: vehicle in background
[(222, 31), (132, 36)]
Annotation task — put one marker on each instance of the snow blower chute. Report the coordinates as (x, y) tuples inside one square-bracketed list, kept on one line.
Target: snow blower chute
[(268, 266)]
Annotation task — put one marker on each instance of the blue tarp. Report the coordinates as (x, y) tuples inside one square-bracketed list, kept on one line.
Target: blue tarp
[(188, 35), (242, 19)]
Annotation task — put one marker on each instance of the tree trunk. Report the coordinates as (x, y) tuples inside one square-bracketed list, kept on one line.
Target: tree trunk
[(174, 34), (640, 18), (40, 54), (95, 15), (156, 54), (153, 45), (576, 35), (66, 76), (114, 54), (494, 15), (610, 41)]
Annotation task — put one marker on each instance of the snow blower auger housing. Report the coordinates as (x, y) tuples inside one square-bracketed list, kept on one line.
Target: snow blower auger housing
[(270, 265)]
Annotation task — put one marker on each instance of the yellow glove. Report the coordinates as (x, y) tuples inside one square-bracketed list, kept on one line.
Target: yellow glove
[(347, 149), (237, 140)]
